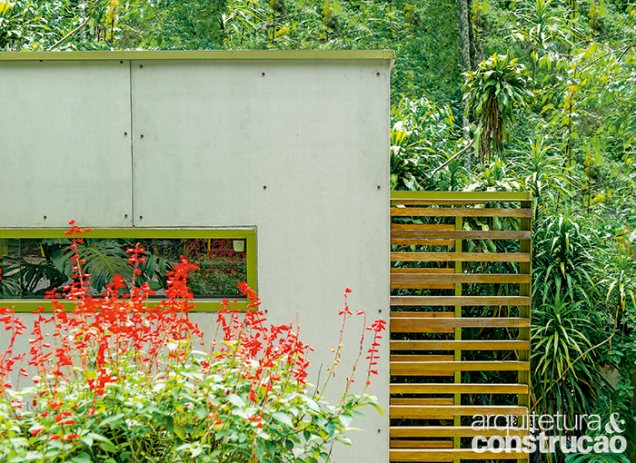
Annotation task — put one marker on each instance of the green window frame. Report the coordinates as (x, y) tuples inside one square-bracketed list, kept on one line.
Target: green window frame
[(202, 305)]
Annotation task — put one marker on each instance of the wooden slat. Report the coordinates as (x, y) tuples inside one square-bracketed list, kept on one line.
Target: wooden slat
[(451, 431), (415, 277), (396, 314), (437, 301), (416, 412), (423, 271), (462, 235), (422, 368), (422, 242), (458, 212), (422, 227), (426, 316), (443, 196), (425, 401), (460, 257), (421, 286), (459, 345), (436, 374), (421, 444), (420, 325), (440, 202), (422, 358), (433, 455), (459, 388)]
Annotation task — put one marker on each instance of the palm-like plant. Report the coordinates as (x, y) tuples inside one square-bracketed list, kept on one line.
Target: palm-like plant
[(564, 375), (562, 258), (492, 92)]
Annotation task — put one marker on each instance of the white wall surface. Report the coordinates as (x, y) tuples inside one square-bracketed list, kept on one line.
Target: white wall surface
[(315, 133)]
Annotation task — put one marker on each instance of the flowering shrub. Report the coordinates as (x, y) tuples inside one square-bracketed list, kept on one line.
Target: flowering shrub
[(121, 381)]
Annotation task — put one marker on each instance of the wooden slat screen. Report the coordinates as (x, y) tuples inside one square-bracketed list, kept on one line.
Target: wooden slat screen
[(460, 320)]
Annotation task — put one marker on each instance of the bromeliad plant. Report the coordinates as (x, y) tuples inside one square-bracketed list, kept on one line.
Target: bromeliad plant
[(120, 381)]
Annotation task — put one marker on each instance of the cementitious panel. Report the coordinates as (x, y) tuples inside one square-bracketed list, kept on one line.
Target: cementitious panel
[(63, 152)]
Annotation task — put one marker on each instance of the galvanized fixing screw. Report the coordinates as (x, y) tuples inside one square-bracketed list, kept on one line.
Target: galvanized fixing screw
[(141, 65), (378, 74), (379, 430), (378, 187), (264, 187), (263, 74), (380, 311), (141, 216), (142, 135), (45, 217), (125, 133), (265, 310), (125, 216)]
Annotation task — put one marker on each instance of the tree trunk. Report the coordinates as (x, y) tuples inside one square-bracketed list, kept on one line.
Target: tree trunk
[(475, 49), (465, 46)]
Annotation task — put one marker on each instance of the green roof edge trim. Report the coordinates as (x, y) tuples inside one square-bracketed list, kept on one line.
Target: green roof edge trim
[(139, 233), (198, 55)]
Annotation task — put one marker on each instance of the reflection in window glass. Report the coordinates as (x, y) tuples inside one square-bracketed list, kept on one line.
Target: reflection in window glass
[(30, 267)]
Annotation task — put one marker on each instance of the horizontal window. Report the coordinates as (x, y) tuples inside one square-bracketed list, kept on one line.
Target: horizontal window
[(34, 262)]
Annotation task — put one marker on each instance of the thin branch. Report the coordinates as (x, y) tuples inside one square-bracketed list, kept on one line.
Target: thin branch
[(463, 150), (69, 34)]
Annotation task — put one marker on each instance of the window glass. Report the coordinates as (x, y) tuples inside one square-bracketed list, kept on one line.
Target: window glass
[(30, 267)]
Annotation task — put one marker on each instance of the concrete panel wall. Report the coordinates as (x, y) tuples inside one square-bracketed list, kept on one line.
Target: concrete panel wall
[(296, 148), (63, 152)]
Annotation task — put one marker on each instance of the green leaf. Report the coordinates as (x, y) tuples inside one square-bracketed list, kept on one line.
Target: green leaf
[(236, 400), (179, 431), (114, 419), (283, 418), (98, 437), (201, 412), (82, 458), (109, 447), (345, 419)]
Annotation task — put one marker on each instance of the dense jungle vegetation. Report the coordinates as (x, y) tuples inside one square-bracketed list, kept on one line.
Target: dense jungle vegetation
[(535, 95)]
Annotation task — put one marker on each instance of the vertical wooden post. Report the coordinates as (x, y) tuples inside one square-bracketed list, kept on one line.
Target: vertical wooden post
[(525, 311), (458, 334)]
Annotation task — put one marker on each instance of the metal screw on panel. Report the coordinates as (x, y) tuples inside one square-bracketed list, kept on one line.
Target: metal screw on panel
[(263, 74), (380, 311), (379, 430), (125, 134), (125, 216), (378, 187), (265, 310), (141, 216), (45, 217), (264, 187), (142, 135), (378, 74), (141, 65), (121, 62)]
